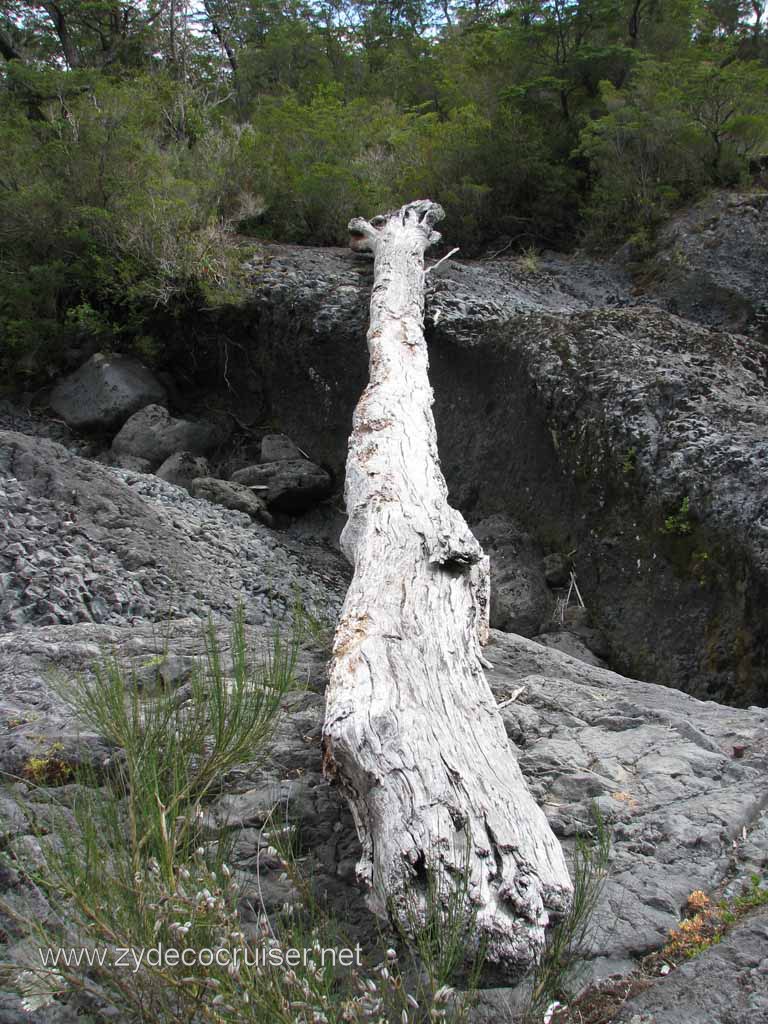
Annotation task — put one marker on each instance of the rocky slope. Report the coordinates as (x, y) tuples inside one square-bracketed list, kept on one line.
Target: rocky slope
[(685, 813), (623, 436), (581, 426)]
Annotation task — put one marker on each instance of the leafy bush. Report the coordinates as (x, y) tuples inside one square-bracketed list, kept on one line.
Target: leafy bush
[(674, 129), (99, 221)]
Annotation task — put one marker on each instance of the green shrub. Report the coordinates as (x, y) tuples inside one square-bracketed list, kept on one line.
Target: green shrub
[(132, 864), (568, 940), (679, 522)]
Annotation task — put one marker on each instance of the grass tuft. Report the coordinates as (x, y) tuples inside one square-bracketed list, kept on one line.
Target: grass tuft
[(133, 865), (568, 940)]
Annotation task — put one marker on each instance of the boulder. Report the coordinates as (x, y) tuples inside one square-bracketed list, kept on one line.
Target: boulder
[(569, 643), (710, 262), (230, 495), (129, 462), (182, 468), (153, 434), (292, 486), (520, 601), (279, 448), (104, 392)]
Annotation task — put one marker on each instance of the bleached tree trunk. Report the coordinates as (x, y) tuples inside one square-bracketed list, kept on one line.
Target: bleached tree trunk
[(412, 732)]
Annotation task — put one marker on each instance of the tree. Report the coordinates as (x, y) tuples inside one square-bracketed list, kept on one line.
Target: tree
[(81, 33), (412, 732), (730, 106)]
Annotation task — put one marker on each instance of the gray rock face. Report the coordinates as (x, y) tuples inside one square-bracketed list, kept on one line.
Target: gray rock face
[(279, 448), (520, 601), (658, 763), (230, 495), (727, 984), (612, 412), (711, 260), (104, 392), (292, 486), (153, 434), (182, 468), (556, 570), (660, 766)]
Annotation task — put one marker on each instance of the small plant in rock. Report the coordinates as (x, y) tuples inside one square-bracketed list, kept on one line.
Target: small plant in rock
[(568, 940), (697, 931), (529, 260), (48, 770), (629, 465), (703, 568), (707, 922), (679, 522)]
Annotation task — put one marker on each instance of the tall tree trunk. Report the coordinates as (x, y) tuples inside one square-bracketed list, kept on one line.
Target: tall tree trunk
[(412, 732), (61, 25), (221, 33)]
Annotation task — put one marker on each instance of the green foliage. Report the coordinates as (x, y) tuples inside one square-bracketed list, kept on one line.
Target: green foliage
[(100, 219), (629, 465), (679, 522), (569, 939), (140, 140), (317, 164), (439, 924), (673, 130), (173, 751)]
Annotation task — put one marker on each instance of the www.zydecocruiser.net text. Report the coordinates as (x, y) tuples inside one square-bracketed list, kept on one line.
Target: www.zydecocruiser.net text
[(171, 956)]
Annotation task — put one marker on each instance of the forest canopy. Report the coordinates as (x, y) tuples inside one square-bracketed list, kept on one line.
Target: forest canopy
[(144, 141)]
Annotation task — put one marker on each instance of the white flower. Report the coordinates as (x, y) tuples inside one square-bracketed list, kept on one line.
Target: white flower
[(549, 1013)]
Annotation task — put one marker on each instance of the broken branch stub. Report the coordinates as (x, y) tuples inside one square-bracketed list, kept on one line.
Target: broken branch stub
[(412, 732)]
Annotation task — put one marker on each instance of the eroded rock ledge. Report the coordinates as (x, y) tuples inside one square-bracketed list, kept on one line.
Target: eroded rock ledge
[(608, 426)]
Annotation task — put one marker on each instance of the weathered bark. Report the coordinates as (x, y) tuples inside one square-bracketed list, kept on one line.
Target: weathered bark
[(412, 732)]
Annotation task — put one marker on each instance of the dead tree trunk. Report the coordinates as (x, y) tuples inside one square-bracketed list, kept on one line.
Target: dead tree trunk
[(412, 732)]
